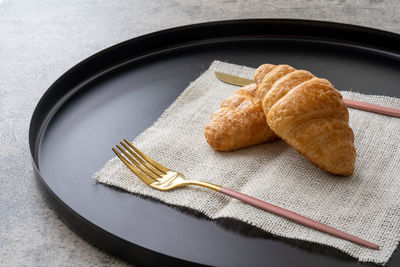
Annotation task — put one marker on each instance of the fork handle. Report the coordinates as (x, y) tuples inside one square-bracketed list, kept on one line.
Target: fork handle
[(297, 218)]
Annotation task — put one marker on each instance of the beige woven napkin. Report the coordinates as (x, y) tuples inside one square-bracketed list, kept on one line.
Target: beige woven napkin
[(366, 204)]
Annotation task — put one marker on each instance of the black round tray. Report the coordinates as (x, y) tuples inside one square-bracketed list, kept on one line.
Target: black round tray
[(119, 92)]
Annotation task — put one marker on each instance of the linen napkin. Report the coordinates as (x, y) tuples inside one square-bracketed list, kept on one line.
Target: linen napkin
[(366, 204)]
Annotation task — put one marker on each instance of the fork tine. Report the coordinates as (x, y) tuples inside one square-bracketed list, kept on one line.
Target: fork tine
[(148, 159), (141, 167), (153, 170), (148, 180)]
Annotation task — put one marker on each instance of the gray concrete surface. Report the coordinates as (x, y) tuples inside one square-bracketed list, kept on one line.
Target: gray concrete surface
[(40, 40)]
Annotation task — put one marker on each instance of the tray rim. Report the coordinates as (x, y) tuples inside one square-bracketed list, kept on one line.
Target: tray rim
[(38, 121), (156, 34)]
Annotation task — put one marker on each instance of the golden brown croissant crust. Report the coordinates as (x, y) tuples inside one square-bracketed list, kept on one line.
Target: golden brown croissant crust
[(305, 111), (313, 119), (239, 122)]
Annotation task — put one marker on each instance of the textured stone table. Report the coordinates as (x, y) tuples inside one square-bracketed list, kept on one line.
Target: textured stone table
[(40, 40)]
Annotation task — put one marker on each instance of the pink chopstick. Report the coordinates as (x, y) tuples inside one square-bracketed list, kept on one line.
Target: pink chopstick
[(297, 218), (372, 108)]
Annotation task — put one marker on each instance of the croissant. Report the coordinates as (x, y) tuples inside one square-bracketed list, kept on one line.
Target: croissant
[(313, 119), (305, 111), (239, 122)]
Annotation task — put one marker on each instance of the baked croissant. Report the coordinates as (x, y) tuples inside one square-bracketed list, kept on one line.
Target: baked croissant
[(309, 114), (313, 119), (239, 122), (305, 111)]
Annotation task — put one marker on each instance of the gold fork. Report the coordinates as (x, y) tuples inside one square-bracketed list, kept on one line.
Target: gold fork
[(160, 177)]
